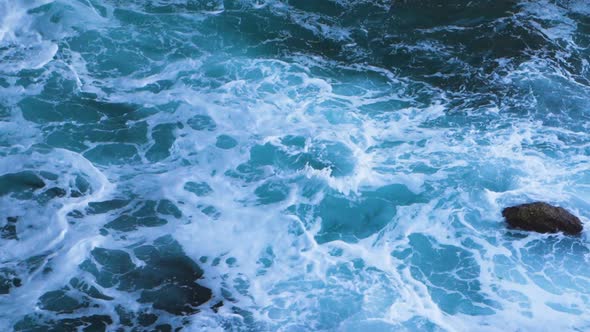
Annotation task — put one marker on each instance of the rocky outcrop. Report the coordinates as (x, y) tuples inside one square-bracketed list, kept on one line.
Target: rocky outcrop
[(543, 218)]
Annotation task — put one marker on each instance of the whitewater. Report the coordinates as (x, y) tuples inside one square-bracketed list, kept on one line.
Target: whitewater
[(292, 165)]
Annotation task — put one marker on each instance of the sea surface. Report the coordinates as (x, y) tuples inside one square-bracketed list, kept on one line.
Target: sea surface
[(292, 165)]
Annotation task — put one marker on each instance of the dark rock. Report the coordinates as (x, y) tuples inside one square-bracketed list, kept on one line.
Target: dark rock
[(543, 218)]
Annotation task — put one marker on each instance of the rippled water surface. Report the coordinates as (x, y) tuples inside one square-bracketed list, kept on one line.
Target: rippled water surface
[(293, 165)]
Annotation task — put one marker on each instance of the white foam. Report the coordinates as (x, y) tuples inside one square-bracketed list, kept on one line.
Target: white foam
[(66, 245)]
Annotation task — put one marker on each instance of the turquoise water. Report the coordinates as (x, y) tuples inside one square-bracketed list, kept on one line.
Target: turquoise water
[(262, 165)]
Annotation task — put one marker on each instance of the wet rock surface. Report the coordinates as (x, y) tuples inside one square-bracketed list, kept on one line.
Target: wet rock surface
[(542, 218)]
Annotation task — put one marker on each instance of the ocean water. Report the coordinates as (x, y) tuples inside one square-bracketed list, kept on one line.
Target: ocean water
[(292, 165)]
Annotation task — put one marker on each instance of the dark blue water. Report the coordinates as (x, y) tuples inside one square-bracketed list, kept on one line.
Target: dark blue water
[(294, 165)]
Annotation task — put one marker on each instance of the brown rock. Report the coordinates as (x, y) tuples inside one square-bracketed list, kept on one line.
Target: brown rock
[(543, 218)]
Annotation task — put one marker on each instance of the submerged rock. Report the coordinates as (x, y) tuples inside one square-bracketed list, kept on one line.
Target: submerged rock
[(543, 218)]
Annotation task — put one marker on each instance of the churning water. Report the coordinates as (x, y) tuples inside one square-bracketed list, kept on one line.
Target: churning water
[(291, 165)]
